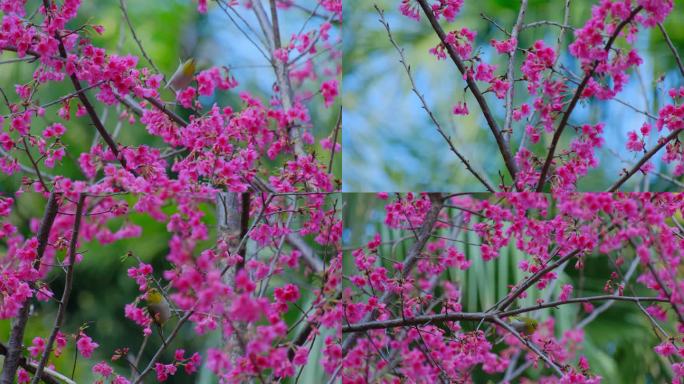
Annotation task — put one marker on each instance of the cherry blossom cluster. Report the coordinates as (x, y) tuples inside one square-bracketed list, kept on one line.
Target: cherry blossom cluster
[(602, 48), (404, 317), (261, 150)]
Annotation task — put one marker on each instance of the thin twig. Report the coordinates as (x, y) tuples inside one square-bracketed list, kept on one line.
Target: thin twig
[(338, 126), (530, 345), (510, 72), (647, 156), (124, 11), (438, 126), (672, 48)]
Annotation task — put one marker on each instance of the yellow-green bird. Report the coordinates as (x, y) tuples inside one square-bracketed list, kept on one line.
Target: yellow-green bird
[(183, 76), (524, 325), (158, 308)]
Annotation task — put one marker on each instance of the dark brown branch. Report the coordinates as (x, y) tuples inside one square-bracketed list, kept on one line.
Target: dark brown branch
[(412, 257), (172, 115), (29, 368), (672, 48), (84, 99), (577, 300), (505, 303), (93, 114), (244, 225), (338, 126), (530, 345), (503, 148), (663, 142), (59, 319), (480, 316), (45, 226), (575, 99)]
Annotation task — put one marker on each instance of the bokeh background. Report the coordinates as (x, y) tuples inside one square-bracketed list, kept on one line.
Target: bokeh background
[(618, 343), (170, 30), (389, 142)]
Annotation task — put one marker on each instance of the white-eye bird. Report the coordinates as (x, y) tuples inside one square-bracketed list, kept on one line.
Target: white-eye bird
[(183, 76), (524, 325), (158, 308)]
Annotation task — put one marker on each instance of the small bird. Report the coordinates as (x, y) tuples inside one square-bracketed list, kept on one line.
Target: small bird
[(158, 308), (524, 325), (183, 76)]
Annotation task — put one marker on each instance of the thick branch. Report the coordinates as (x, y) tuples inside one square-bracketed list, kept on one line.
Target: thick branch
[(482, 316), (47, 375), (503, 148), (575, 99)]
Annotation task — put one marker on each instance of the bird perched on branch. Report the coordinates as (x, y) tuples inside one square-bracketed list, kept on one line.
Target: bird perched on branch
[(524, 325), (158, 308), (183, 76)]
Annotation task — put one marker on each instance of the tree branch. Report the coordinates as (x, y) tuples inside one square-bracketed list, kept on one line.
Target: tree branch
[(48, 375), (412, 257), (440, 130), (14, 348), (503, 148), (483, 316), (509, 73), (530, 345), (673, 135), (59, 319), (575, 99), (672, 48)]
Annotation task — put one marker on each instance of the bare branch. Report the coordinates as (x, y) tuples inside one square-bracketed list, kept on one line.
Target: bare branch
[(407, 68), (509, 73), (672, 48), (661, 143), (338, 126), (480, 316)]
